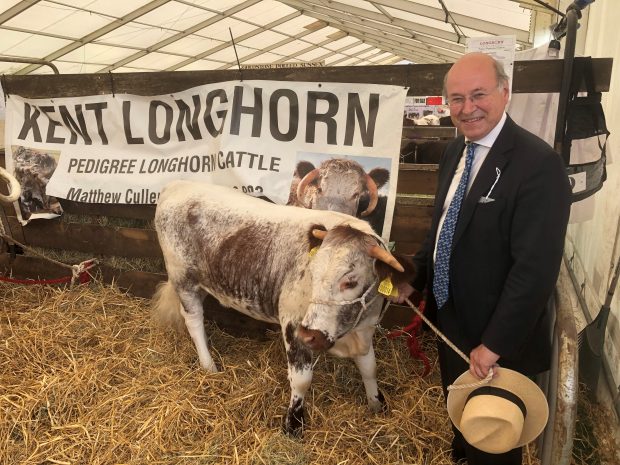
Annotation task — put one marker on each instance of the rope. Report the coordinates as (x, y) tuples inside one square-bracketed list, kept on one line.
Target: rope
[(455, 348), (78, 272), (361, 299), (62, 280)]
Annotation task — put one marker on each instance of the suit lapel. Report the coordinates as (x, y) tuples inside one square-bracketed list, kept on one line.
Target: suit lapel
[(497, 157)]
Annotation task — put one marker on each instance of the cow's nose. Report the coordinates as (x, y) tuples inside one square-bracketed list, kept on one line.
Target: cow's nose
[(313, 338)]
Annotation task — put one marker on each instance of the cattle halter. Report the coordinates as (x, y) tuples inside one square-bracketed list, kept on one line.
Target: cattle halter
[(361, 299)]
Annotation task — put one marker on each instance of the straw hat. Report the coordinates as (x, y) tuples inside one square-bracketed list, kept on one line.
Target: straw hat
[(506, 413)]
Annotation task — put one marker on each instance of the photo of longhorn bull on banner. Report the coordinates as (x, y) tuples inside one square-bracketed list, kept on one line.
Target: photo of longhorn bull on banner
[(354, 185)]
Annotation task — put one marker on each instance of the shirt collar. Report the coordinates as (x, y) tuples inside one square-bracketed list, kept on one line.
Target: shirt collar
[(489, 139)]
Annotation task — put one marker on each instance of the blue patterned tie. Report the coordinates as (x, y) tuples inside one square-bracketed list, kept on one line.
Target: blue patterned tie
[(441, 279)]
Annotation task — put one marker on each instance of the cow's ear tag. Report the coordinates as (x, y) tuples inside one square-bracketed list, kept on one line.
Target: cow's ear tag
[(386, 287), (313, 251)]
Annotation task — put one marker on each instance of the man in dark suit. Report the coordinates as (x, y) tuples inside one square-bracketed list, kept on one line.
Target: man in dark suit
[(492, 257)]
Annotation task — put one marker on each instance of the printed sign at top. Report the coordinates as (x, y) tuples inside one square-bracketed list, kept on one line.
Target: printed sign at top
[(260, 137), (502, 48)]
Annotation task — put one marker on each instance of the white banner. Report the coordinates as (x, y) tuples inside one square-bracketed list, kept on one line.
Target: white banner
[(250, 135), (502, 48)]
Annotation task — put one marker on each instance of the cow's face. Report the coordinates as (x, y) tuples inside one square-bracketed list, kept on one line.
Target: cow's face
[(339, 191), (342, 271), (337, 185)]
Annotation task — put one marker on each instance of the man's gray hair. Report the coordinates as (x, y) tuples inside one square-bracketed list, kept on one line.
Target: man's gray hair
[(500, 75)]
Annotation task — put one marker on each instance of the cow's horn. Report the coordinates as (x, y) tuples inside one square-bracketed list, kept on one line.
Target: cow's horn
[(14, 187), (303, 184), (319, 233), (386, 257), (371, 185)]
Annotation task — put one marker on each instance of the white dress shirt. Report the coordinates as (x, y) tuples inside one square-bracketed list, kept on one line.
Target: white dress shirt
[(484, 145)]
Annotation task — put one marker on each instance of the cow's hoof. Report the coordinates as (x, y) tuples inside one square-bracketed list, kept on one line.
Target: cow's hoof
[(378, 404), (294, 422), (213, 368), (210, 367)]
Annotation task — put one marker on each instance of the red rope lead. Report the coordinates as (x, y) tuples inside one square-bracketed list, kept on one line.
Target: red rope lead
[(84, 277), (412, 331)]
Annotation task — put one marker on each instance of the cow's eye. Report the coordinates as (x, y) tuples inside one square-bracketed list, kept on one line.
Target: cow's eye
[(348, 285)]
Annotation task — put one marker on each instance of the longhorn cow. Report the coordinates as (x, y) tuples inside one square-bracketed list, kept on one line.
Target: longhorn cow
[(314, 272)]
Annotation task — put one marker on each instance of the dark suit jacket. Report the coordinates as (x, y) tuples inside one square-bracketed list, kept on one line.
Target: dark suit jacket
[(506, 253)]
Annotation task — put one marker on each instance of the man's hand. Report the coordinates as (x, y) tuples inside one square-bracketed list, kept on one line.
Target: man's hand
[(481, 360), (404, 291)]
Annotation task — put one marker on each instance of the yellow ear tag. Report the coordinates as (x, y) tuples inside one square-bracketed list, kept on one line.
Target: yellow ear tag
[(394, 292), (313, 251), (386, 287)]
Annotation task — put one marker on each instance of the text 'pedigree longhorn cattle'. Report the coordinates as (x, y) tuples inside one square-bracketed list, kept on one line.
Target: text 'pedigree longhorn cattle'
[(255, 257)]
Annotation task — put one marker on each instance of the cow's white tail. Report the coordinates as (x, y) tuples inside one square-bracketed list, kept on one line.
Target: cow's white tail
[(166, 308), (167, 312)]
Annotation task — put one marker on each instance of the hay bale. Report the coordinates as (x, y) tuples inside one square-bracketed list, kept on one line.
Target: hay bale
[(84, 379)]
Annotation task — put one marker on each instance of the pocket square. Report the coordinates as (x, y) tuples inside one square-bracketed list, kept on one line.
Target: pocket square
[(486, 200)]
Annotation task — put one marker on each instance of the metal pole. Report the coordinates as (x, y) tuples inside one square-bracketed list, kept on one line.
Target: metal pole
[(563, 386), (35, 61), (567, 73)]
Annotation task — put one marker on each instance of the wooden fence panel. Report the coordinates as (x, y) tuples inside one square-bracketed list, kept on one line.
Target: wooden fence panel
[(417, 179), (138, 212), (104, 240), (138, 283)]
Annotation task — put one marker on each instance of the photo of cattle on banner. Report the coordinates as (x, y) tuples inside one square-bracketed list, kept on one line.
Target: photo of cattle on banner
[(342, 185), (33, 170)]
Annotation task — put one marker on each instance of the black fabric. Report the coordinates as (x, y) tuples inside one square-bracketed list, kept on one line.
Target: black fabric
[(505, 260), (595, 175), (585, 119)]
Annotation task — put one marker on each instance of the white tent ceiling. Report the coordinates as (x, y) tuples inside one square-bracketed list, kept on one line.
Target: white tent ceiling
[(94, 36)]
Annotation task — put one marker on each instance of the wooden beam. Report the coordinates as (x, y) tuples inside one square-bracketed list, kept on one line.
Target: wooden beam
[(426, 79), (90, 238)]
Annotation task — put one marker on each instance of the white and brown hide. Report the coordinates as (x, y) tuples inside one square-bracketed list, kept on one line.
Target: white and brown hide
[(255, 257)]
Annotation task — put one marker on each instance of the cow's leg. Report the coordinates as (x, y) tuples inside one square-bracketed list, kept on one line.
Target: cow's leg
[(299, 376), (367, 365), (191, 309)]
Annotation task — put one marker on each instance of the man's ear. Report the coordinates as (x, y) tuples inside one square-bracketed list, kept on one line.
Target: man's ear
[(384, 270)]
